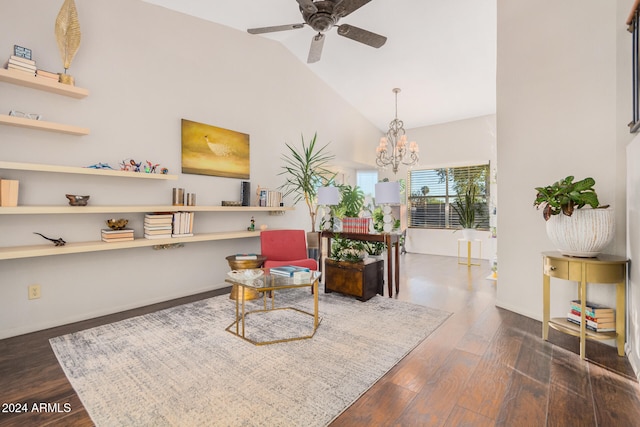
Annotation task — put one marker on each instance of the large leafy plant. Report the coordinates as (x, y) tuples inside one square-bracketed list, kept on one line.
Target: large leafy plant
[(305, 170), (351, 202), (565, 195)]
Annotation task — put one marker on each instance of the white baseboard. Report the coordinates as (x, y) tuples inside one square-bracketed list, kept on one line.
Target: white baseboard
[(8, 333)]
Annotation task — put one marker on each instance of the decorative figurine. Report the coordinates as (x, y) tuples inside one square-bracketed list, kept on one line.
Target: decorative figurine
[(56, 242), (164, 171), (252, 227), (100, 165), (125, 166), (136, 166), (151, 168)]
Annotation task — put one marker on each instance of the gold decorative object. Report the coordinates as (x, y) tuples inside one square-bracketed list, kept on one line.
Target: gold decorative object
[(117, 224), (67, 32)]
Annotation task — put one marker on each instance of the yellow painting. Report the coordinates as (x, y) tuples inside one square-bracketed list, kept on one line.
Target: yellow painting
[(210, 150)]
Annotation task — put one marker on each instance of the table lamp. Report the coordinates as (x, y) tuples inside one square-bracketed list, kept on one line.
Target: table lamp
[(387, 193), (328, 196)]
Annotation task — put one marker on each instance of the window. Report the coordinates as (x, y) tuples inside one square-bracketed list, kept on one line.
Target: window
[(366, 180), (433, 191)]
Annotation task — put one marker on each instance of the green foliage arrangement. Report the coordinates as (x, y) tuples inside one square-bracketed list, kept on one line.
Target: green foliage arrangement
[(565, 195), (306, 170), (343, 249)]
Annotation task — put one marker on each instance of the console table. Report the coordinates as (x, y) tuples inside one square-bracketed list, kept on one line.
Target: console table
[(605, 269), (391, 240)]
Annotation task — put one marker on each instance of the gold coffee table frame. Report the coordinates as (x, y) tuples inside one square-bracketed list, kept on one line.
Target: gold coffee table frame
[(268, 284)]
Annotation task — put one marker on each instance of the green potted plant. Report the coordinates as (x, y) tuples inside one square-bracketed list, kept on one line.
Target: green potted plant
[(565, 195), (348, 250), (465, 206), (305, 170), (349, 209), (575, 221)]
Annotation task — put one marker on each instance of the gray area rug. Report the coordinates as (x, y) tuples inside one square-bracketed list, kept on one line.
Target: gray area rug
[(179, 367)]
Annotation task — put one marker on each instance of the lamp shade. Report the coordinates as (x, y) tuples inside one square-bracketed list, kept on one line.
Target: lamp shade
[(388, 193), (328, 196)]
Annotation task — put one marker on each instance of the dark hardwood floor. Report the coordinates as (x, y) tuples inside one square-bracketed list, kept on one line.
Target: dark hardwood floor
[(483, 367)]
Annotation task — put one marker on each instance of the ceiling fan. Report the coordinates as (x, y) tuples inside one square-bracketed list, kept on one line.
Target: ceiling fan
[(323, 15)]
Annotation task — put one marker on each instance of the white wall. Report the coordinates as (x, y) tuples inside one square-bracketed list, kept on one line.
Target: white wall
[(633, 252), (560, 84), (146, 68), (463, 142)]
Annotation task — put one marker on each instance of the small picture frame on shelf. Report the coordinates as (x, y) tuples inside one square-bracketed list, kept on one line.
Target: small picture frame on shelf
[(22, 52)]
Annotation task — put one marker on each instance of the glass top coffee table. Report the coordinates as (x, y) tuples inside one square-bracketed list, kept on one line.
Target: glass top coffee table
[(268, 284)]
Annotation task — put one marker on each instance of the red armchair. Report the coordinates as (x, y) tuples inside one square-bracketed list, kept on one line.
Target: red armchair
[(285, 247)]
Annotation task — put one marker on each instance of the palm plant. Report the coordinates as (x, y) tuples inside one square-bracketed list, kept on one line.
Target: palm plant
[(306, 170)]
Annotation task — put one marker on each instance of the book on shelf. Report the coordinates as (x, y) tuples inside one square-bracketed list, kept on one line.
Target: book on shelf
[(592, 326), (21, 64), (113, 234), (157, 236), (593, 309), (158, 221), (182, 224), (18, 69), (118, 239), (288, 270), (243, 257), (154, 232), (157, 227), (604, 319), (47, 74), (159, 215), (22, 60)]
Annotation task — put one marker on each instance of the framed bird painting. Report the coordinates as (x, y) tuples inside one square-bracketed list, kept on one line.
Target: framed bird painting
[(210, 150)]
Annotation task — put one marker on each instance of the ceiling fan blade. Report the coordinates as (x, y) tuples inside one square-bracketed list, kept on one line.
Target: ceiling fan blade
[(273, 29), (307, 6), (362, 36), (315, 52), (345, 7)]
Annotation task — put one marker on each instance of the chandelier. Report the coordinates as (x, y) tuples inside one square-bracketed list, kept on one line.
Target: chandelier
[(393, 149)]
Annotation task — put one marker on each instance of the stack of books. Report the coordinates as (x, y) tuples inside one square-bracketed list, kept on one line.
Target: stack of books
[(21, 64), (51, 77), (182, 224), (123, 235), (269, 198), (599, 317), (158, 225)]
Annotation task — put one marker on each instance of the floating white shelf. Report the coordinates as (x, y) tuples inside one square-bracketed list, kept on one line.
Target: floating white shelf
[(17, 252), (45, 210), (25, 79), (84, 171), (42, 125)]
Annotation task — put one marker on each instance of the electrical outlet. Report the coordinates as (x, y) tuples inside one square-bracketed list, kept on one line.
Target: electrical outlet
[(34, 291)]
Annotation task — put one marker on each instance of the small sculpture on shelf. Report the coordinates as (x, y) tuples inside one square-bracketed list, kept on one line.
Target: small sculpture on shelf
[(56, 242), (252, 227), (100, 165), (150, 167), (77, 200)]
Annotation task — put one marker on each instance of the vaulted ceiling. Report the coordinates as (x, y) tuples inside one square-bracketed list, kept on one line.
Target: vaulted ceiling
[(441, 53)]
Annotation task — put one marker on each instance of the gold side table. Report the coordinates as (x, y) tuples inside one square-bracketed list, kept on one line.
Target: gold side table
[(469, 263), (604, 269), (241, 264)]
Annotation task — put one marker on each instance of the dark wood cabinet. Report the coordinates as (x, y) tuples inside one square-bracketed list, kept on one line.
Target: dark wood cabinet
[(361, 279)]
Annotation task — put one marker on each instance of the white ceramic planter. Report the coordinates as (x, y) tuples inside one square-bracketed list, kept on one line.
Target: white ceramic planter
[(583, 234)]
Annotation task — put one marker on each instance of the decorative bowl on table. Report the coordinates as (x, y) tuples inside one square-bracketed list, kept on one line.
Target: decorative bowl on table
[(117, 224), (77, 200), (248, 274)]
